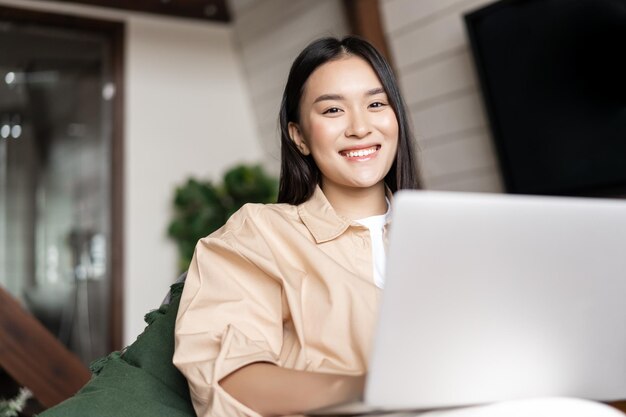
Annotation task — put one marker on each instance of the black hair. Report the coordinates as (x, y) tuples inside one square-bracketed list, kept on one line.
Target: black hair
[(299, 174)]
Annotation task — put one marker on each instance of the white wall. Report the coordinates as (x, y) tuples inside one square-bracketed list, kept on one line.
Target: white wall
[(270, 34), (433, 62), (187, 113)]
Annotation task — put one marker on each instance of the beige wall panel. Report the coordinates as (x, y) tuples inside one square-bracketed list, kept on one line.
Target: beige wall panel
[(451, 74), (437, 76), (484, 180), (255, 20), (449, 117), (270, 34), (400, 14), (239, 7), (291, 34), (462, 155), (267, 79)]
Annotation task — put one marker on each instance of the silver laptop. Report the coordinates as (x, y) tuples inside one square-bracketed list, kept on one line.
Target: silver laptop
[(498, 297)]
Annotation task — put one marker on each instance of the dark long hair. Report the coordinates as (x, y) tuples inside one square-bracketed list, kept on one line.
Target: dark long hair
[(298, 173)]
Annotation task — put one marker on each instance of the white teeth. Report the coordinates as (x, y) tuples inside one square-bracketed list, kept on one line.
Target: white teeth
[(361, 152)]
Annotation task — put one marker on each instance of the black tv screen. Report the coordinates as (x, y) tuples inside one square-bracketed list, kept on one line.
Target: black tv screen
[(553, 77)]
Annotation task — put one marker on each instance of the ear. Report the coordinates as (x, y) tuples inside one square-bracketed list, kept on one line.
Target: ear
[(296, 136)]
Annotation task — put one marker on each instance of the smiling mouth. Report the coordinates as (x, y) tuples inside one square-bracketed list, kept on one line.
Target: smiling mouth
[(359, 153)]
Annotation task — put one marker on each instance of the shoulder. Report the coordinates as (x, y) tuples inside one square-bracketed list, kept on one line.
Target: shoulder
[(253, 216), (254, 230)]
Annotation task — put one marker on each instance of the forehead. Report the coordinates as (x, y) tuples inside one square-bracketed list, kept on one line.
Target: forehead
[(345, 76)]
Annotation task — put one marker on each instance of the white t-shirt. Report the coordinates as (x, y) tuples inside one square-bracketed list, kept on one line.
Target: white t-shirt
[(376, 224)]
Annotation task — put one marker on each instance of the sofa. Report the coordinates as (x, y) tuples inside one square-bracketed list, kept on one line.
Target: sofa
[(138, 381)]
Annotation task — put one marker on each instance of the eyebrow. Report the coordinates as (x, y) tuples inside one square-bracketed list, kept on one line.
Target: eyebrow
[(338, 97)]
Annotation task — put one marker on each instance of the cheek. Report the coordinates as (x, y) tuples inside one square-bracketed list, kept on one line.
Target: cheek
[(389, 126), (323, 132)]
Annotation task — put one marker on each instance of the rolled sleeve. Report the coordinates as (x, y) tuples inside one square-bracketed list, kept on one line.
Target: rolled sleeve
[(230, 315)]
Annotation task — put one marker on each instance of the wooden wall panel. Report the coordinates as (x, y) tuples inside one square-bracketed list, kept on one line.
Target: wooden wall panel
[(468, 154), (454, 73), (428, 42), (449, 116), (401, 15), (270, 34)]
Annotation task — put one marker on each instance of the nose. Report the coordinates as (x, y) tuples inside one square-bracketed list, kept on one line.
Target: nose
[(359, 126)]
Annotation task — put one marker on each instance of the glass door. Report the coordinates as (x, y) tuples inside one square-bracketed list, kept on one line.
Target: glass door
[(57, 106)]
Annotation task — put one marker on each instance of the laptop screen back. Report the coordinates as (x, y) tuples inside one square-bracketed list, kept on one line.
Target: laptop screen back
[(498, 297)]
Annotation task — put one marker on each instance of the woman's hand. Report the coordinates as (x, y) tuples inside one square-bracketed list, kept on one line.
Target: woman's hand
[(274, 391)]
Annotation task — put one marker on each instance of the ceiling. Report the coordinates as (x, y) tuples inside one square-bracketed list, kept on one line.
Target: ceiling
[(208, 10)]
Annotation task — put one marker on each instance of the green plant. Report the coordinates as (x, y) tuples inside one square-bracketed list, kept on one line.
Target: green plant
[(201, 207)]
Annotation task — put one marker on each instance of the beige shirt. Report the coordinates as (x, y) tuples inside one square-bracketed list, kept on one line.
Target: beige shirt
[(290, 285)]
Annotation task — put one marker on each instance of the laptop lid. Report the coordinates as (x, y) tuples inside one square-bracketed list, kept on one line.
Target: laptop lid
[(497, 297)]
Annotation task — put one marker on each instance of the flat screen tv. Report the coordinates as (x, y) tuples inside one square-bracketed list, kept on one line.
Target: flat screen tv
[(553, 77)]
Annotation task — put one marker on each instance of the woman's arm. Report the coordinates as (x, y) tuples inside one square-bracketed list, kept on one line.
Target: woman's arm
[(273, 391)]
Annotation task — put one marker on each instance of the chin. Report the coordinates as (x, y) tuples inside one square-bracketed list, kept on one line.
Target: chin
[(367, 183)]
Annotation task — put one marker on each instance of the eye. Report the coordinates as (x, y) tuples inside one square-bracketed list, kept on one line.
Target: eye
[(377, 105), (332, 110)]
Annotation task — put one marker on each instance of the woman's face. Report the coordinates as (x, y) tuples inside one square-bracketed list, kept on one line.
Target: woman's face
[(347, 125)]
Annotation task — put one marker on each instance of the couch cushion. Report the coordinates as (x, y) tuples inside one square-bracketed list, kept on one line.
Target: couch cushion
[(141, 381), (154, 348)]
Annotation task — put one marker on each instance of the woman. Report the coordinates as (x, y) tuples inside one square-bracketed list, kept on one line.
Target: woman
[(278, 309)]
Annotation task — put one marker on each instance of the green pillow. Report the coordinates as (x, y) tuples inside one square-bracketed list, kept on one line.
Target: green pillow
[(154, 348), (141, 381)]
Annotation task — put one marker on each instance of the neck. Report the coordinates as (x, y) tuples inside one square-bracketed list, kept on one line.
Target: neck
[(357, 203)]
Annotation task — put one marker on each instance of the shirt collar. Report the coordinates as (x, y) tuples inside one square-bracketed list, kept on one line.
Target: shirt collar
[(322, 220)]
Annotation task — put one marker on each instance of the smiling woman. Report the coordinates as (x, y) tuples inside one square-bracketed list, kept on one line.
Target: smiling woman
[(333, 79), (279, 305)]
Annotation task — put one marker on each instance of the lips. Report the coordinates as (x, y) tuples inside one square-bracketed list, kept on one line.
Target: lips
[(360, 153)]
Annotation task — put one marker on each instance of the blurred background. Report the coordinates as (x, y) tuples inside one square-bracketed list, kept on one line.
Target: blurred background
[(106, 107)]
